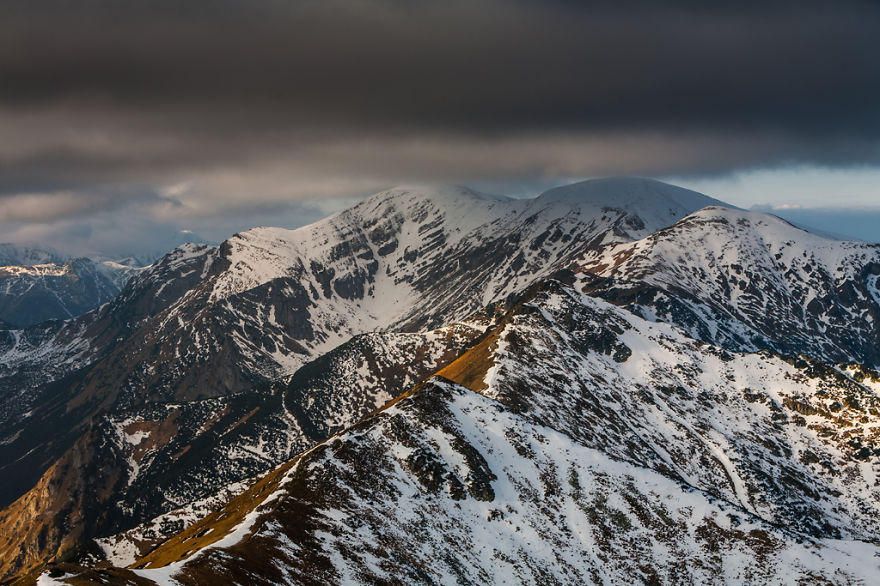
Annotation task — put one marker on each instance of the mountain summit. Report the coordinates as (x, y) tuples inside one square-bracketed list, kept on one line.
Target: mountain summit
[(636, 194)]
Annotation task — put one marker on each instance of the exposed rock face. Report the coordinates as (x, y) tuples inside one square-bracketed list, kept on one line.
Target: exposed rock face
[(597, 441)]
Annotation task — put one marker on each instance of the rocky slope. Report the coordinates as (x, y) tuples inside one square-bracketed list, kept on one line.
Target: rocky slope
[(136, 476)]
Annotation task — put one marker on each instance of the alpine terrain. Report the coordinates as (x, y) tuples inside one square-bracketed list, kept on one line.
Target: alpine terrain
[(619, 381)]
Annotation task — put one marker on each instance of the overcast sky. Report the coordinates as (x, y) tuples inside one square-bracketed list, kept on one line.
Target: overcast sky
[(124, 122)]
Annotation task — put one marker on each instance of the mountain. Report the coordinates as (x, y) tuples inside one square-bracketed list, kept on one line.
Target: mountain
[(121, 271), (24, 255), (378, 264), (217, 364), (38, 285), (212, 322), (655, 203), (750, 281)]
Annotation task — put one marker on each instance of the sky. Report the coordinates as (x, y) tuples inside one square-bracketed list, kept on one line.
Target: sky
[(126, 126)]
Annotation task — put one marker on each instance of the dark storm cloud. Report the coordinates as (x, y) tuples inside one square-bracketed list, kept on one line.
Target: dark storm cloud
[(807, 67), (264, 101)]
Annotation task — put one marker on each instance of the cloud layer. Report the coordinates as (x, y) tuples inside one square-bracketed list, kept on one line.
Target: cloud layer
[(217, 108)]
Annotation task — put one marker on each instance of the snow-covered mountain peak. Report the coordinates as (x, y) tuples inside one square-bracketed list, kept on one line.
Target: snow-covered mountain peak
[(756, 218), (453, 205), (742, 229), (750, 280), (718, 237), (375, 250), (387, 228), (630, 193), (772, 226), (653, 203)]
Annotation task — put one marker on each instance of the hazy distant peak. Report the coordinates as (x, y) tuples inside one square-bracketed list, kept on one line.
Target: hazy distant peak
[(28, 255), (630, 192)]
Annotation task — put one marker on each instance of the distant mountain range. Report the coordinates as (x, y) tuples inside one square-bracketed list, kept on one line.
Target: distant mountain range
[(617, 381), (41, 284)]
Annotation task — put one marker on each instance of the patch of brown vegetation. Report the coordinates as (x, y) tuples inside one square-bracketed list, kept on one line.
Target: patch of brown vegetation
[(159, 433), (81, 576), (469, 369), (51, 521), (605, 268), (217, 525)]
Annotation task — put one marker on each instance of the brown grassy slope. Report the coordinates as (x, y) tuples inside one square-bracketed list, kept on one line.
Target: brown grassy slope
[(218, 524), (48, 523), (469, 369)]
